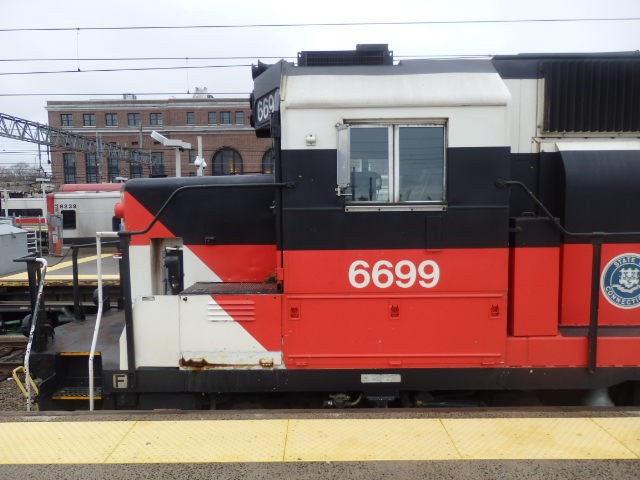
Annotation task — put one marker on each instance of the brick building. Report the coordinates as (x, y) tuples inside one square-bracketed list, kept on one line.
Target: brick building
[(229, 143)]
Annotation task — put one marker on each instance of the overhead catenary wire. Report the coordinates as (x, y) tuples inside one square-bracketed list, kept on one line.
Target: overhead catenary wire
[(136, 59), (318, 24), (138, 69), (119, 94), (78, 69)]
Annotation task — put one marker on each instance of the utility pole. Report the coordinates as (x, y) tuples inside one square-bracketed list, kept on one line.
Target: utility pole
[(98, 157)]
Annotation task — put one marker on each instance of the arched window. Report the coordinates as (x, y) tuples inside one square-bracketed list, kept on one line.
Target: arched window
[(268, 161), (227, 161)]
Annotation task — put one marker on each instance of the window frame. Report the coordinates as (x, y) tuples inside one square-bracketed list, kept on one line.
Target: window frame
[(270, 157), (135, 116), (155, 119), (92, 172), (190, 118), (69, 219), (111, 119), (69, 168), (66, 120), (135, 169), (226, 115), (394, 203), (218, 162), (157, 166), (239, 114), (113, 167), (214, 116), (91, 117)]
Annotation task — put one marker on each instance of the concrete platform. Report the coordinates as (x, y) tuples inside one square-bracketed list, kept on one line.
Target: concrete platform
[(324, 444)]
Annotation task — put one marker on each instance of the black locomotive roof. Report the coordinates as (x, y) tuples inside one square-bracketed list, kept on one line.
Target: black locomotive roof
[(524, 65), (170, 184), (528, 65)]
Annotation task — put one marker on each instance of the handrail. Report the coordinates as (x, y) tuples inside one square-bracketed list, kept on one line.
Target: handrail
[(501, 183), (27, 379), (213, 186), (34, 319), (96, 329), (596, 239), (78, 311)]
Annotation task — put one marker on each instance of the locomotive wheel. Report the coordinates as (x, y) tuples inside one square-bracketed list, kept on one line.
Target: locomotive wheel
[(25, 328), (106, 300)]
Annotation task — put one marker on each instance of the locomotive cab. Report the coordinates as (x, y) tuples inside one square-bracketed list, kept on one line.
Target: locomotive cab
[(226, 254)]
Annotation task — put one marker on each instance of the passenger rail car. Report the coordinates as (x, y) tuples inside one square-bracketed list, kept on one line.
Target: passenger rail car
[(431, 225), (85, 210), (28, 212)]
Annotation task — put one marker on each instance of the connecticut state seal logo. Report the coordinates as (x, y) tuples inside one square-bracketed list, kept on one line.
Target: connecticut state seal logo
[(620, 281)]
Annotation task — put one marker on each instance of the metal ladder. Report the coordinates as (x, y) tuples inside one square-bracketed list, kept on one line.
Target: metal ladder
[(32, 242)]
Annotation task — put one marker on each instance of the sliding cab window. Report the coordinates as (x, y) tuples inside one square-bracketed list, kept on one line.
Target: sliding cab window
[(392, 164)]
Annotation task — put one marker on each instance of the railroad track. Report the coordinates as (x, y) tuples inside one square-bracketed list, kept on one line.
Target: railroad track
[(11, 353)]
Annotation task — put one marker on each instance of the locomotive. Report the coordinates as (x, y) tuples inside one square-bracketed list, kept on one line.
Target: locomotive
[(449, 224)]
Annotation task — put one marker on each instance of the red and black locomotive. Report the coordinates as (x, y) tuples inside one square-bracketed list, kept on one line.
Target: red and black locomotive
[(430, 225)]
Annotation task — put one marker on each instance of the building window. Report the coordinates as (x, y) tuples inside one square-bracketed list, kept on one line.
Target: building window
[(69, 162), (212, 118), (191, 118), (227, 161), (157, 164), (133, 119), (89, 119), (192, 156), (135, 168), (239, 118), (92, 168), (113, 167), (111, 119), (225, 118), (155, 119), (66, 120), (268, 161), (396, 163)]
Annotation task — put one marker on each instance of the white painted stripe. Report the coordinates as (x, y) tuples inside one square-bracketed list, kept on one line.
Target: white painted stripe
[(393, 91), (220, 342), (195, 270)]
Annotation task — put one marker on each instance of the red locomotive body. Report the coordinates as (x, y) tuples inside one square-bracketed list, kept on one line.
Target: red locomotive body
[(430, 225)]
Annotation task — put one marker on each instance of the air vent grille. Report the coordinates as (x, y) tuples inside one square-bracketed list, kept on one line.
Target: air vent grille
[(592, 95)]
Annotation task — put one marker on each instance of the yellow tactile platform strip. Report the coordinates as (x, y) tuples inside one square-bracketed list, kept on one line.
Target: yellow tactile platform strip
[(21, 277), (305, 440)]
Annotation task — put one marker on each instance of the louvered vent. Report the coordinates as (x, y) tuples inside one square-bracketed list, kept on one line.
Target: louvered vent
[(362, 55), (231, 310), (592, 95)]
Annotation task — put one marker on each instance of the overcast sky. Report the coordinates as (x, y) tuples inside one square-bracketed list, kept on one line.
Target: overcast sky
[(82, 43)]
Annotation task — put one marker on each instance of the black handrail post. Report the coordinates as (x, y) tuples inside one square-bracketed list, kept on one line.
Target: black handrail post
[(596, 242), (78, 310), (125, 285), (34, 275)]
